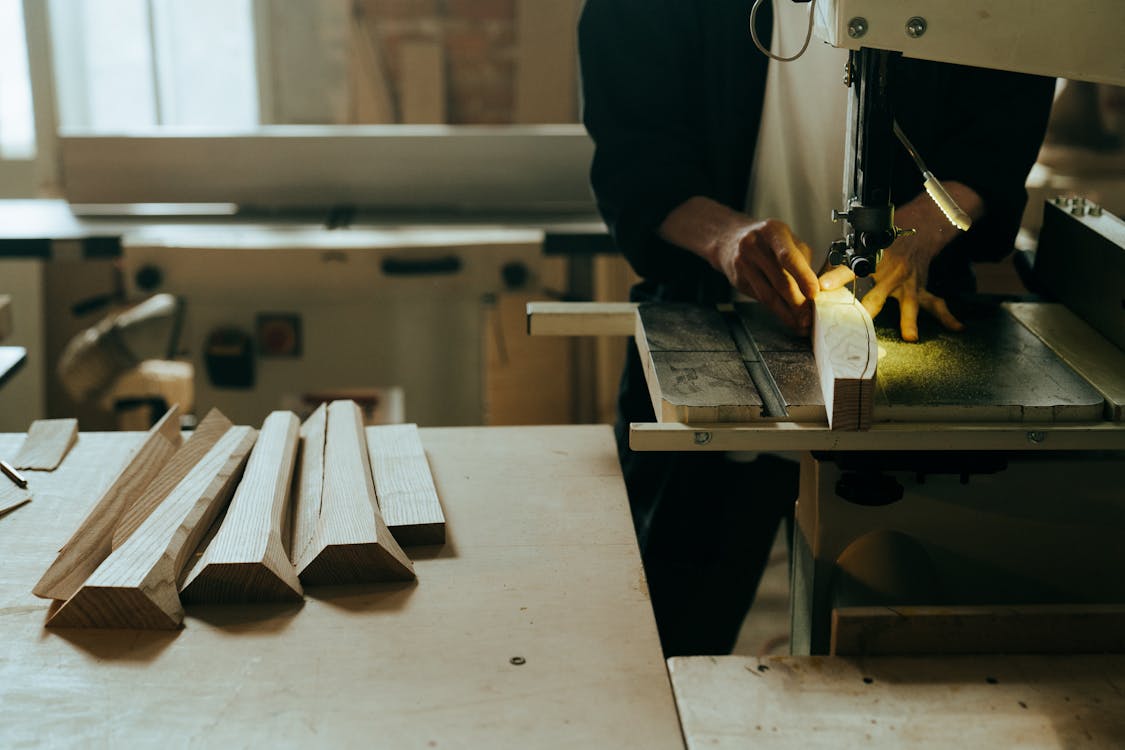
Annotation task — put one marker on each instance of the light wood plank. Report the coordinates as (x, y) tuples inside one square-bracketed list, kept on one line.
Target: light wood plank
[(371, 101), (404, 486), (5, 316), (48, 441), (916, 631), (1085, 350), (825, 703), (213, 427), (581, 318), (352, 543), (135, 587), (246, 561), (546, 62), (92, 542), (422, 91), (11, 496), (310, 483), (846, 353)]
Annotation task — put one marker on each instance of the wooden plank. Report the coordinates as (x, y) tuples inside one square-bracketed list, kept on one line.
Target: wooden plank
[(907, 631), (404, 486), (310, 483), (995, 370), (546, 62), (581, 318), (135, 587), (422, 91), (92, 542), (48, 441), (1081, 347), (352, 543), (846, 354), (925, 436), (12, 496), (541, 563), (815, 703), (5, 316), (202, 440), (371, 101), (246, 561)]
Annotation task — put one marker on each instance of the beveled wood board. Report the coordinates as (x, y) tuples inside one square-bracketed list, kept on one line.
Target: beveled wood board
[(48, 441)]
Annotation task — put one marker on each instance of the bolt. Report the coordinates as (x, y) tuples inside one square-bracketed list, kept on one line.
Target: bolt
[(1036, 437), (849, 74), (1094, 209), (916, 27), (518, 660), (857, 27), (1078, 209), (702, 438)]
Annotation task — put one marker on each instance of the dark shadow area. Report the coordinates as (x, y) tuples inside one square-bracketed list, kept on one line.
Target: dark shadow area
[(365, 597), (262, 617), (114, 645)]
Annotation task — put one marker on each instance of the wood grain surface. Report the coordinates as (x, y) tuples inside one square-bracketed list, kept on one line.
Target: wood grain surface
[(404, 486), (92, 542), (47, 443), (846, 354), (246, 560), (136, 586), (352, 543)]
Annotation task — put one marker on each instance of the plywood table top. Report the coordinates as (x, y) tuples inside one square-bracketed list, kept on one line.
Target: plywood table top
[(530, 627)]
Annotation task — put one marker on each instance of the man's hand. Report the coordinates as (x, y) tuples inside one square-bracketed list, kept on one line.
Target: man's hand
[(761, 259), (903, 271)]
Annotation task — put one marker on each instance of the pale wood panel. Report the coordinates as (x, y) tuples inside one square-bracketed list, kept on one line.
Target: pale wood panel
[(546, 61), (11, 496), (1060, 629), (5, 316), (810, 703), (201, 441), (1091, 355), (47, 443), (581, 318), (538, 521), (371, 101), (403, 484), (310, 483), (352, 543), (846, 354), (92, 542), (246, 560), (136, 586), (422, 90)]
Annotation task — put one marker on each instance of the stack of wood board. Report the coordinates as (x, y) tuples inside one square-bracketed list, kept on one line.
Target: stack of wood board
[(135, 586), (339, 532)]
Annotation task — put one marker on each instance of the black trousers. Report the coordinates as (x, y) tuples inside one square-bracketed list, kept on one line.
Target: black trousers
[(705, 525)]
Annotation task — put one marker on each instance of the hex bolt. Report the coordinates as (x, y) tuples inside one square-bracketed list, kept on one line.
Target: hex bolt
[(916, 27), (857, 27)]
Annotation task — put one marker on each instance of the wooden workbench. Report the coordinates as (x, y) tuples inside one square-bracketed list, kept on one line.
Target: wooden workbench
[(540, 563), (810, 703)]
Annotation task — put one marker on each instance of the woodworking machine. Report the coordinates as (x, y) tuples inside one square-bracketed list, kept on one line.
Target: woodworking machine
[(1078, 39)]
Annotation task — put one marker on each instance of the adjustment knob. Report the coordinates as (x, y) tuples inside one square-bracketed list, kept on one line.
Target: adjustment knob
[(861, 266)]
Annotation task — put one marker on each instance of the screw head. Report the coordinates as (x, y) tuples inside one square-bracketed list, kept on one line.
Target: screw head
[(916, 27), (1036, 437), (857, 27), (702, 438)]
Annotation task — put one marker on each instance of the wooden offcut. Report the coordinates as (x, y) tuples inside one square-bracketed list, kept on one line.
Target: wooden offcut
[(202, 440), (351, 543), (846, 353), (581, 318), (12, 496), (135, 587), (93, 540), (404, 485), (246, 560), (48, 441), (1044, 629), (422, 91), (546, 61)]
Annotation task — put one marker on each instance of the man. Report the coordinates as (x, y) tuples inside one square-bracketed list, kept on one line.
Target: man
[(693, 184)]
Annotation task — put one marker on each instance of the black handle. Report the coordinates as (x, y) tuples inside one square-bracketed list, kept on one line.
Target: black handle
[(421, 267)]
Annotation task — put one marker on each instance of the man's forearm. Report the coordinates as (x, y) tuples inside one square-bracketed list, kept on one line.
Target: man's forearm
[(704, 227)]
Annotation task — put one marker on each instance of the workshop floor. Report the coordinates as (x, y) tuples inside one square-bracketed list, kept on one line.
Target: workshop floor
[(766, 629)]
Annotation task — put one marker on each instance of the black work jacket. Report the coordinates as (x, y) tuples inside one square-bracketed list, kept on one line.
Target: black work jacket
[(673, 94)]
